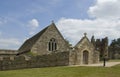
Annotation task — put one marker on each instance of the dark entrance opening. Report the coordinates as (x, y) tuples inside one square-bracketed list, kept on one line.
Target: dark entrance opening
[(85, 57)]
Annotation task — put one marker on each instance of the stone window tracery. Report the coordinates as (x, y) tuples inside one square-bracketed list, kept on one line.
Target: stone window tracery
[(52, 45)]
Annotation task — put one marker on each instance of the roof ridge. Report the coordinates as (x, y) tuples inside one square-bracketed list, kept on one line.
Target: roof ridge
[(82, 40), (31, 40)]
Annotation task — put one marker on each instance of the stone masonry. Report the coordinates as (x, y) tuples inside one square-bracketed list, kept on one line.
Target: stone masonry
[(49, 48)]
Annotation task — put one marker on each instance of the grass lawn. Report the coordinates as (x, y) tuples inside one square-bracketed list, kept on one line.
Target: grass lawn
[(64, 72)]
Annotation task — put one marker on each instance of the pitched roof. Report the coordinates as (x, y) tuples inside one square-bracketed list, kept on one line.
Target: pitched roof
[(27, 45), (85, 37)]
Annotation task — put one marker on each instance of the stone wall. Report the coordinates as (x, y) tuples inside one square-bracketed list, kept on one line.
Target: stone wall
[(85, 52), (41, 46), (6, 53), (21, 62)]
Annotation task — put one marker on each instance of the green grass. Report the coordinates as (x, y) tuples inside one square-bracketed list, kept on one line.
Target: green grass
[(64, 72)]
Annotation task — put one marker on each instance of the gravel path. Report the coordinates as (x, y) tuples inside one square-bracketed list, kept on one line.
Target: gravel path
[(108, 64)]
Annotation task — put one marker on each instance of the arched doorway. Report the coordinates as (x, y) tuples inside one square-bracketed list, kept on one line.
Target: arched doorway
[(85, 57)]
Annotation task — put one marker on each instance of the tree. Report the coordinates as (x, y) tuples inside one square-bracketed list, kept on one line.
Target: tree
[(114, 49)]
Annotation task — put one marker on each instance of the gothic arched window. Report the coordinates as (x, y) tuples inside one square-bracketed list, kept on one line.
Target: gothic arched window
[(52, 45)]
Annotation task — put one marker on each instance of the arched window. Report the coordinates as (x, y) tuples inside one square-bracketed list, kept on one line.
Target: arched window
[(52, 45)]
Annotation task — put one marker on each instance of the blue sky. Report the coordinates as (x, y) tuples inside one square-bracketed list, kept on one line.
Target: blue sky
[(21, 19)]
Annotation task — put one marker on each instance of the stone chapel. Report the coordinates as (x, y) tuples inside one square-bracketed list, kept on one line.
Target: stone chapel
[(50, 40)]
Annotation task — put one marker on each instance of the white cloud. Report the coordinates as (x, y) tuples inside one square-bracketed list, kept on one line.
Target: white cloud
[(31, 33), (106, 22), (101, 1), (106, 9), (73, 29), (9, 43), (33, 24)]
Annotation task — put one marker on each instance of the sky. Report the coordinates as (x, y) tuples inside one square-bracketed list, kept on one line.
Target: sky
[(21, 19)]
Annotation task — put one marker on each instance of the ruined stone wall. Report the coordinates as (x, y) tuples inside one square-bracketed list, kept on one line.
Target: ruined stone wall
[(96, 58), (101, 45), (21, 62), (6, 53), (72, 57)]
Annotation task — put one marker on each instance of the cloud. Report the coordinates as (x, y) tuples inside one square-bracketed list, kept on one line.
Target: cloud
[(106, 9), (31, 33), (106, 22), (9, 43), (33, 24), (73, 29)]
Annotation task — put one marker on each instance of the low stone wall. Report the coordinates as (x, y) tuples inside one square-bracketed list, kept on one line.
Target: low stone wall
[(6, 53), (21, 62)]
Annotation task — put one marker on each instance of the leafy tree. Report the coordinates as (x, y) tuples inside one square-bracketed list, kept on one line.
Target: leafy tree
[(114, 49)]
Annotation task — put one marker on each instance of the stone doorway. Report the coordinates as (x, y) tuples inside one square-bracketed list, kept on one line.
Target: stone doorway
[(85, 57)]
